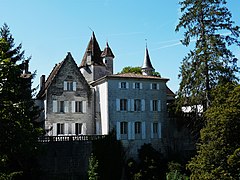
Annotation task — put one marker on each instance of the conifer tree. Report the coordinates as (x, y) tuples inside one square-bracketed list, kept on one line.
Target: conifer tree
[(218, 151), (207, 23), (18, 130)]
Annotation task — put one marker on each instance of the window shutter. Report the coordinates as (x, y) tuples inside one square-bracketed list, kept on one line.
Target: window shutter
[(151, 105), (132, 104), (73, 128), (118, 131), (73, 106), (159, 105), (127, 85), (66, 106), (157, 86), (128, 104), (129, 130), (133, 85), (65, 128), (119, 85), (151, 130), (141, 86), (142, 105), (65, 85), (74, 86), (84, 129), (143, 130), (54, 129), (84, 106), (151, 86), (45, 109), (54, 106), (117, 104), (133, 130), (159, 130)]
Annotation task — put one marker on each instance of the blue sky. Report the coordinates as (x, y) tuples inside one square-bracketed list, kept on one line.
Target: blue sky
[(48, 29)]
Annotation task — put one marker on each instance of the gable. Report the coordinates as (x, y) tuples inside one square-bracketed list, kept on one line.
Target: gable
[(66, 70)]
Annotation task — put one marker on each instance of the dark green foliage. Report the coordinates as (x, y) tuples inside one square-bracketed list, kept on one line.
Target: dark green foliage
[(129, 69), (93, 168), (151, 164), (18, 130), (217, 156), (175, 172), (207, 23), (110, 156), (136, 70)]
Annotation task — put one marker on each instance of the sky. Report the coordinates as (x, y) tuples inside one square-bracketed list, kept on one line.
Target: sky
[(48, 29)]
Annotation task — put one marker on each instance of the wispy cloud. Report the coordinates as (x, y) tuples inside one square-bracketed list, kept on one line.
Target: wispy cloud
[(126, 34), (177, 43), (167, 46)]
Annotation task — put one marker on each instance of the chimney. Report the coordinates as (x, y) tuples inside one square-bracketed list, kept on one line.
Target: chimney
[(26, 66), (42, 82)]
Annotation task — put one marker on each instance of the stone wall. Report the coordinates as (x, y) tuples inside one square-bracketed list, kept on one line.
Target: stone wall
[(65, 160)]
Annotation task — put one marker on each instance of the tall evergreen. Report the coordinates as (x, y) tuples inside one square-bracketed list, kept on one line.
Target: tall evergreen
[(207, 23), (218, 151), (18, 128)]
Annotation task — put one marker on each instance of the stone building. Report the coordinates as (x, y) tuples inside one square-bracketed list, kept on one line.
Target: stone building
[(90, 99)]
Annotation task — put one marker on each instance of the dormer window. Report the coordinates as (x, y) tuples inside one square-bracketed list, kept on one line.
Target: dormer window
[(69, 86)]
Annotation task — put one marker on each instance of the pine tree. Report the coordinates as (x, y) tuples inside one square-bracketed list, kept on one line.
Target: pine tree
[(18, 130), (208, 23), (218, 152)]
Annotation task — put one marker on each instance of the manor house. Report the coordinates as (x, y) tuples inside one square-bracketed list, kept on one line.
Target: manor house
[(85, 98)]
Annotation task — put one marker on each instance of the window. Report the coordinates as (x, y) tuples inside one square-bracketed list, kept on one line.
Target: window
[(69, 86), (154, 86), (60, 106), (137, 85), (138, 127), (60, 128), (78, 128), (155, 128), (137, 104), (78, 106), (123, 104), (123, 128), (155, 105), (123, 85)]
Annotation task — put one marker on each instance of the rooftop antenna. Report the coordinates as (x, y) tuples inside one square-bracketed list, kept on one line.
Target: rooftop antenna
[(146, 42)]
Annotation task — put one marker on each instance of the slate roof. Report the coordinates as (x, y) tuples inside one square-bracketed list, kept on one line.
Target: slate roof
[(147, 62), (95, 51), (50, 78), (134, 76), (107, 52)]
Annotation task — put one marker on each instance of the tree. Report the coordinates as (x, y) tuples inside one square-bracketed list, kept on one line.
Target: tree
[(93, 168), (211, 62), (129, 69), (18, 130), (136, 70), (218, 151)]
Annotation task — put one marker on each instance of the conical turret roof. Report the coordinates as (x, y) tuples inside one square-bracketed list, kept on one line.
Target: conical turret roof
[(94, 50), (107, 52), (147, 62)]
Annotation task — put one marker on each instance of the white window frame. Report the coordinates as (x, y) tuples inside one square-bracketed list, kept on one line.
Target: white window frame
[(123, 85), (69, 86)]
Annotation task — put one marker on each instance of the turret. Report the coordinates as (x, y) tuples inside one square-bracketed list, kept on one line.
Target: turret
[(108, 57), (147, 68)]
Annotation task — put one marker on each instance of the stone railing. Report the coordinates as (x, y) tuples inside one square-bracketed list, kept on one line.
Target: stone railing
[(46, 139)]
